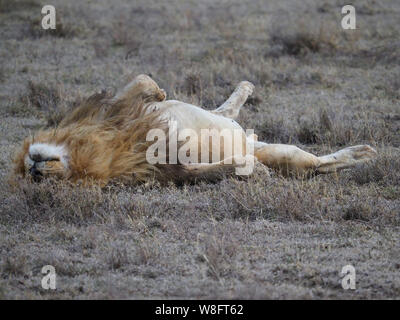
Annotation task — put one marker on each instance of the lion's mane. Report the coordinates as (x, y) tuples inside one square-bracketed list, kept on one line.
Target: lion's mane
[(106, 139)]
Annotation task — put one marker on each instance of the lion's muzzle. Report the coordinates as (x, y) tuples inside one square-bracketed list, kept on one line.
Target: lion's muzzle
[(35, 173)]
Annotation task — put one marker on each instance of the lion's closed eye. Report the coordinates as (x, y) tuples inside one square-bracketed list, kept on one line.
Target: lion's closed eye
[(53, 166), (38, 158)]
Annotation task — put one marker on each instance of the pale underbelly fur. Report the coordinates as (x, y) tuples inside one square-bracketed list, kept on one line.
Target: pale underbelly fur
[(188, 116)]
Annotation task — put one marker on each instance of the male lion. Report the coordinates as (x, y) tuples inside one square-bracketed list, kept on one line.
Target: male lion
[(105, 138)]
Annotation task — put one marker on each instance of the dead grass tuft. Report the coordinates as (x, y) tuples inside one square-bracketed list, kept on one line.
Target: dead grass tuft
[(14, 266), (192, 85), (302, 42), (54, 200), (62, 30), (218, 253), (118, 256), (385, 171), (7, 6), (44, 101), (358, 212), (42, 97)]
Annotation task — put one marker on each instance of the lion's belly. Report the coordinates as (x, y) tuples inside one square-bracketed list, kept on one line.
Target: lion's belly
[(187, 116)]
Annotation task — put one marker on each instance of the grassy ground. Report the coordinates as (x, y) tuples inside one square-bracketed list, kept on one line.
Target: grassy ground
[(317, 86)]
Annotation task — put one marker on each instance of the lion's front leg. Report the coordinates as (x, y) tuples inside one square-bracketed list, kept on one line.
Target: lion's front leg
[(143, 87), (238, 165)]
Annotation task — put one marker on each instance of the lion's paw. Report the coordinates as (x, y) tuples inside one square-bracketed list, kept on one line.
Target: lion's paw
[(248, 86), (361, 152)]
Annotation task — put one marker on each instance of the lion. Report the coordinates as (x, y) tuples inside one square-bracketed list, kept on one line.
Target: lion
[(106, 138)]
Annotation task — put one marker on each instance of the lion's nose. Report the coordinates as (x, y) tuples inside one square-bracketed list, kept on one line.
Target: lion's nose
[(35, 173)]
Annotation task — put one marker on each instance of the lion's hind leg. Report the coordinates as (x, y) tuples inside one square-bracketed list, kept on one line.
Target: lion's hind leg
[(291, 159), (286, 158), (231, 107)]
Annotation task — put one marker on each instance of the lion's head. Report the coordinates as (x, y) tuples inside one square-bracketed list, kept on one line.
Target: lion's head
[(40, 160), (102, 139)]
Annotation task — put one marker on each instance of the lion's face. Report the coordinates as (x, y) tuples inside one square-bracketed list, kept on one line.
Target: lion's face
[(46, 160)]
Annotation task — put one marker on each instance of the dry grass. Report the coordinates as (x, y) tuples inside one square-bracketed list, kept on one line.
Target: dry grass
[(9, 6), (317, 86), (62, 30)]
